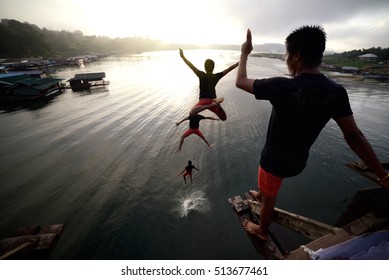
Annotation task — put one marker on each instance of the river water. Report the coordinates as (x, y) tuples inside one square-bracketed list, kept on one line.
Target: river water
[(104, 161)]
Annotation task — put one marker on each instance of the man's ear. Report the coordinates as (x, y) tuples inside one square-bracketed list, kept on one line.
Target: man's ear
[(297, 56)]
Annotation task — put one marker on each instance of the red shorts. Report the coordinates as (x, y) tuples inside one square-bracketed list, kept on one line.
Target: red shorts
[(268, 184), (217, 109), (193, 130), (187, 173)]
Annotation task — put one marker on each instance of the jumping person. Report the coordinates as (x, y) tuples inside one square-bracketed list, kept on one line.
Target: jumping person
[(302, 105), (208, 81), (194, 124), (188, 171)]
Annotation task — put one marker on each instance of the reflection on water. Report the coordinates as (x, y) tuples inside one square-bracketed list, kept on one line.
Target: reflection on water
[(104, 161)]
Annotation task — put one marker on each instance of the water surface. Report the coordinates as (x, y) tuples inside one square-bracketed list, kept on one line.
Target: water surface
[(104, 162)]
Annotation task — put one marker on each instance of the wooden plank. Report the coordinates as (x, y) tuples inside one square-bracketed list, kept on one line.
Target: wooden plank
[(35, 240), (57, 229), (27, 230), (310, 228), (365, 171), (362, 225), (239, 204), (269, 249), (323, 242), (45, 241), (20, 252), (366, 223)]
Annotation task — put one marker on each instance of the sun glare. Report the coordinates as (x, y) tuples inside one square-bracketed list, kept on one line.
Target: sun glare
[(173, 21)]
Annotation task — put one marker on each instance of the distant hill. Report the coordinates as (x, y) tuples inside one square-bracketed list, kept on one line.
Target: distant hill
[(28, 40), (270, 48)]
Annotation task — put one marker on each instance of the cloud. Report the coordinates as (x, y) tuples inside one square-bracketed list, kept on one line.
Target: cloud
[(351, 22)]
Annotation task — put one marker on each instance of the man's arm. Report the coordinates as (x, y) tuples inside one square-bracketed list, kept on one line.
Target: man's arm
[(211, 118), (229, 69), (359, 144), (242, 81), (191, 66), (185, 119)]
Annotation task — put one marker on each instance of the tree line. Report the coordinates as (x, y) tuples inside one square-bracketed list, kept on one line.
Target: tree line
[(381, 53), (28, 40)]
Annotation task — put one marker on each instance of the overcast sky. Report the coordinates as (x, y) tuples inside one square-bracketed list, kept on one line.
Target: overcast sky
[(350, 24)]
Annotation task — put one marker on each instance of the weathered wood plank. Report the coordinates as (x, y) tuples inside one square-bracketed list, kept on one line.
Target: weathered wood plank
[(323, 242), (35, 240), (362, 225), (27, 230), (269, 249), (365, 171), (57, 229), (310, 228), (239, 204), (45, 241), (20, 252)]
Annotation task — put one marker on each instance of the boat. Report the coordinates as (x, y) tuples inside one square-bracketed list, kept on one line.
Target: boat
[(32, 242), (361, 232), (87, 80), (26, 87)]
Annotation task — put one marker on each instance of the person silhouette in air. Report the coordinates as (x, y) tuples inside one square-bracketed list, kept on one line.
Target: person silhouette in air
[(207, 87), (194, 124), (188, 171)]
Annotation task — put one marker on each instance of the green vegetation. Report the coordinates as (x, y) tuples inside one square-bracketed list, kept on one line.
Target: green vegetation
[(28, 40), (380, 66)]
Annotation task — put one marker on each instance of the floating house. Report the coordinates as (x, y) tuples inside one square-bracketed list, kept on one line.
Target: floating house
[(87, 81), (368, 57), (26, 87)]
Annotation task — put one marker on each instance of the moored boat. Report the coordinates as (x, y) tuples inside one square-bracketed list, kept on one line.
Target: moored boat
[(87, 80), (25, 87)]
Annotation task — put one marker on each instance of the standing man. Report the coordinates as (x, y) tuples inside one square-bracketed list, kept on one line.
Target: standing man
[(208, 81), (302, 105)]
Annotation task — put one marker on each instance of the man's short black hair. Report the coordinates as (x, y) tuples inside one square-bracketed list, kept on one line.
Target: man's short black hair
[(310, 42), (209, 65)]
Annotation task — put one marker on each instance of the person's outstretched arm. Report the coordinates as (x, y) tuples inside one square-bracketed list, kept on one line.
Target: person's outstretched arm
[(242, 81), (191, 66), (185, 119), (211, 118), (360, 145), (229, 69)]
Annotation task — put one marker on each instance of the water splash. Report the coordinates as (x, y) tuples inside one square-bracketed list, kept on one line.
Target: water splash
[(195, 201)]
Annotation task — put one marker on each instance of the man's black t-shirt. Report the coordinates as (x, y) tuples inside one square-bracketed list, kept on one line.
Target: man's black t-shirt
[(301, 108), (208, 84), (189, 168), (194, 121)]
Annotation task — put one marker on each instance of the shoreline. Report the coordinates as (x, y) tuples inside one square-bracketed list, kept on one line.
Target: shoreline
[(337, 72)]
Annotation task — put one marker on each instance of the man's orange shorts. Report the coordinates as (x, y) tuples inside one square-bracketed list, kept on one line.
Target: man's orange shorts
[(217, 110), (268, 184), (191, 131)]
